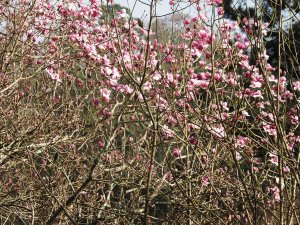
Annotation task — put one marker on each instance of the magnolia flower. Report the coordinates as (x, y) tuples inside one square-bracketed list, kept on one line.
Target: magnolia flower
[(105, 94), (273, 159), (204, 181), (296, 85), (172, 2), (156, 76), (187, 21), (238, 155), (122, 13), (167, 132), (220, 10), (147, 86), (53, 75), (176, 152)]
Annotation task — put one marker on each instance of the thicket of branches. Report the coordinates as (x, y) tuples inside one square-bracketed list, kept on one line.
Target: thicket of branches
[(104, 122), (282, 41)]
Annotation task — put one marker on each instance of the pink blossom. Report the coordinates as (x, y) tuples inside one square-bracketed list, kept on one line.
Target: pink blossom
[(242, 141), (167, 132), (187, 21), (147, 86), (170, 77), (220, 10), (238, 155), (260, 105), (53, 75), (296, 85), (176, 152), (204, 181), (122, 13), (288, 95), (270, 68), (270, 129), (56, 99), (105, 94), (21, 94), (257, 94), (108, 71), (240, 45), (172, 2), (195, 19), (224, 105), (273, 159), (96, 102), (245, 113), (169, 176), (218, 131), (276, 193), (286, 169), (201, 83), (101, 143), (272, 79), (127, 89), (256, 84), (193, 140), (156, 76)]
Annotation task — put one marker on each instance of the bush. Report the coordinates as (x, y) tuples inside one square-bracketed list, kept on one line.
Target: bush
[(101, 123)]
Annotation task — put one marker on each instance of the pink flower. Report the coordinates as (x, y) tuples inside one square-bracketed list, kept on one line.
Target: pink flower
[(276, 193), (147, 86), (95, 13), (260, 105), (220, 11), (156, 76), (296, 85), (172, 2), (122, 13), (218, 131), (224, 106), (127, 89), (101, 144), (167, 132), (256, 84), (195, 19), (240, 45), (193, 140), (288, 95), (238, 155), (176, 152), (204, 181), (270, 129), (96, 102), (170, 77), (53, 75), (105, 94), (286, 169), (257, 94), (169, 176), (56, 99), (187, 21), (242, 141), (273, 159)]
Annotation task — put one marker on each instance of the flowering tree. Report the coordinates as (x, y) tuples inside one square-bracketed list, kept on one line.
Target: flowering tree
[(101, 124)]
